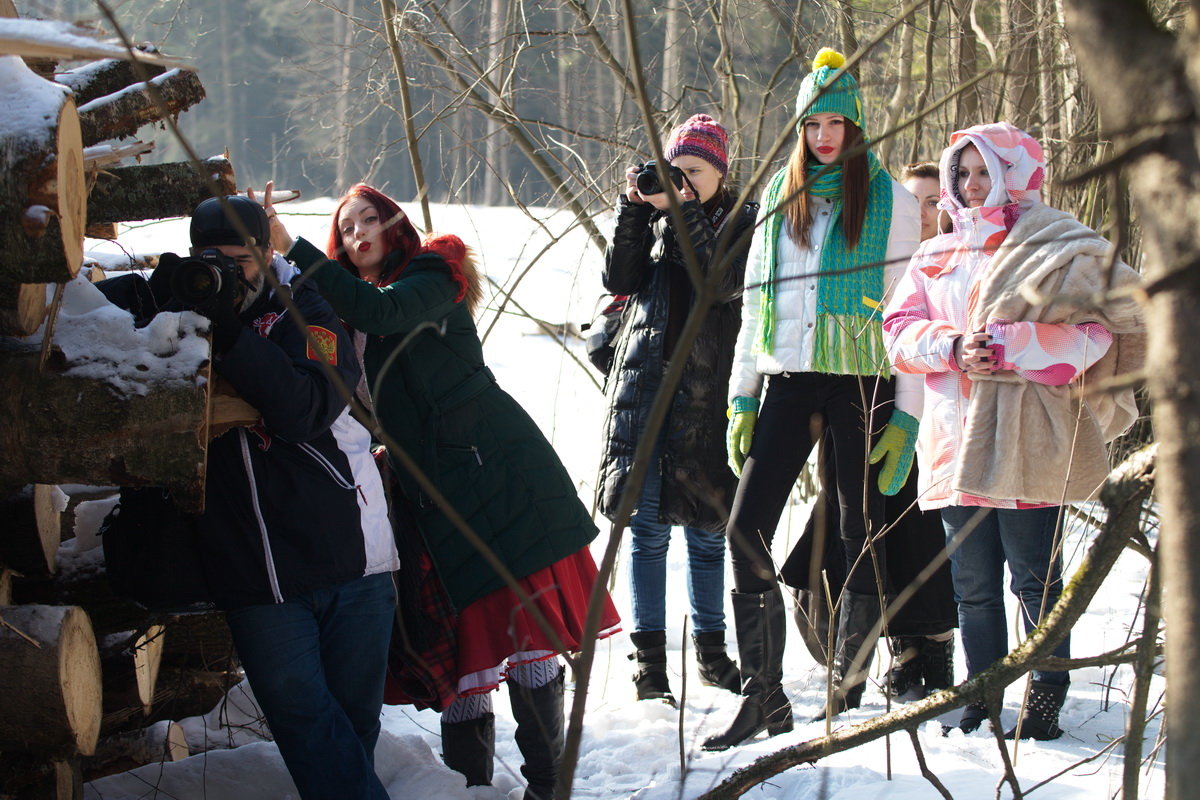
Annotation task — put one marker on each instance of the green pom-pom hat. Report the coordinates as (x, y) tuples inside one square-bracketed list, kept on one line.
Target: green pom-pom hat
[(839, 97)]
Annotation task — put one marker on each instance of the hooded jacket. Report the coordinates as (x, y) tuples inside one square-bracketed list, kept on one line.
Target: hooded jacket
[(646, 262), (1019, 437), (437, 399)]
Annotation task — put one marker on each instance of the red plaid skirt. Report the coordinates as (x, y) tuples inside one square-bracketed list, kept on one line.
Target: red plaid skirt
[(469, 653)]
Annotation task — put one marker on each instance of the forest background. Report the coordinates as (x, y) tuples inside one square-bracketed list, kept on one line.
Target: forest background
[(533, 102)]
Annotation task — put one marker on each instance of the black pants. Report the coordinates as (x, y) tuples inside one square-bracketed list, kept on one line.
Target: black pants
[(797, 408)]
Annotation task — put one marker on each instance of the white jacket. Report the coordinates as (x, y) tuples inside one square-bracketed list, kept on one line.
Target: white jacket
[(796, 299)]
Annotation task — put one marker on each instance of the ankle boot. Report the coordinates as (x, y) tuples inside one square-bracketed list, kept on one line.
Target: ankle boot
[(1040, 720), (859, 613), (540, 734), (905, 674), (972, 718), (469, 747), (761, 623), (651, 656), (937, 664), (716, 667)]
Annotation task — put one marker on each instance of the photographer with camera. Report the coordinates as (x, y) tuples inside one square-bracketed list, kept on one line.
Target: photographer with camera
[(688, 482), (294, 543)]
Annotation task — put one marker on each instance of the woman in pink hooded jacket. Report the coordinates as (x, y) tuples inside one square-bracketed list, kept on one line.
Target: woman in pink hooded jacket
[(1004, 441)]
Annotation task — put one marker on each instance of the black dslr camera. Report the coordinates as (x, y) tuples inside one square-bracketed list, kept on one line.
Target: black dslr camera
[(196, 281), (647, 180)]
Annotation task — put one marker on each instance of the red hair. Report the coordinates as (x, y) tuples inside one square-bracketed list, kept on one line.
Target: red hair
[(399, 234)]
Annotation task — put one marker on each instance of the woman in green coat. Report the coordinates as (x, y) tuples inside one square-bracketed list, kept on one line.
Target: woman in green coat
[(409, 304)]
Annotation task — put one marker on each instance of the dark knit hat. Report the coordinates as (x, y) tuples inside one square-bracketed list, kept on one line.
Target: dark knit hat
[(703, 137)]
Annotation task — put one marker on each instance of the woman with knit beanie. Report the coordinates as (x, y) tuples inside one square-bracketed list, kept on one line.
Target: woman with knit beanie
[(1006, 437), (687, 483), (835, 231)]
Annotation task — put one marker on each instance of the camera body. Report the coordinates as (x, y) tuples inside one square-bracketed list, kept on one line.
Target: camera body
[(648, 182), (197, 280)]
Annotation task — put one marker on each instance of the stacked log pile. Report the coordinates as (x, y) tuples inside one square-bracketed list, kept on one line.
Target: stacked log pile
[(87, 677)]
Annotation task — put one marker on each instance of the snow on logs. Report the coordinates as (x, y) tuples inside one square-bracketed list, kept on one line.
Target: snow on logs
[(107, 403), (43, 199), (50, 681), (124, 111)]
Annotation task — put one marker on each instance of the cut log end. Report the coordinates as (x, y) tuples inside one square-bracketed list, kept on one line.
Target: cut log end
[(50, 679), (22, 307)]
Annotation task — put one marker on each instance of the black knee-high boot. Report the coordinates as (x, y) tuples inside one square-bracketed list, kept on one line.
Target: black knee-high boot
[(856, 630), (469, 747), (541, 734), (761, 623)]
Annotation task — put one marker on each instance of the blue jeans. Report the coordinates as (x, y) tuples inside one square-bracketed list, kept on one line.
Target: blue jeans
[(1026, 539), (316, 664), (648, 574)]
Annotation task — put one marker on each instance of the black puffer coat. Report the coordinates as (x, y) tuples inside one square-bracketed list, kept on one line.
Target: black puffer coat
[(642, 261)]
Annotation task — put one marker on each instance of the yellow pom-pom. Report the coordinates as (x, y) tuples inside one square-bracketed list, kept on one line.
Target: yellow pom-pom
[(828, 57)]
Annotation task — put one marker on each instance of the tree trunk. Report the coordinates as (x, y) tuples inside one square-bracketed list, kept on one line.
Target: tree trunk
[(963, 49), (42, 191), (129, 665), (670, 95), (155, 191), (123, 112), (1145, 82), (103, 77), (164, 741), (32, 531), (51, 690), (6, 579), (1021, 92), (899, 101), (60, 429)]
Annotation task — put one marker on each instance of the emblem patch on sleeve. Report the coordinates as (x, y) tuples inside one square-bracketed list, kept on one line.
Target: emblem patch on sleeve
[(326, 345)]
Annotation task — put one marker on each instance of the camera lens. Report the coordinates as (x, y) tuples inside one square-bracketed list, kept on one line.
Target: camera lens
[(195, 282)]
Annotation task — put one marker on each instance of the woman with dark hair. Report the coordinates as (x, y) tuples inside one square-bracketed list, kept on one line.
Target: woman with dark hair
[(410, 303), (1004, 318), (835, 229)]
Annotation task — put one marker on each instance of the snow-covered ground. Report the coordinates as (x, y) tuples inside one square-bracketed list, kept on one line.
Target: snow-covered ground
[(633, 749)]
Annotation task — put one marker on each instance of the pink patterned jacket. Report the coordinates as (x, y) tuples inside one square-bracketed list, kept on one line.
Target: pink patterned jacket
[(934, 301)]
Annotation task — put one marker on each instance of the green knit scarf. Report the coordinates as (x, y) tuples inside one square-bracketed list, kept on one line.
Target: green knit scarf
[(849, 333)]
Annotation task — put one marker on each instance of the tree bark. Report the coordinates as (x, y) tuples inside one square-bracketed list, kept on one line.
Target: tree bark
[(1021, 93), (963, 57), (60, 429), (42, 191), (155, 191), (103, 77), (32, 531), (123, 112), (51, 691)]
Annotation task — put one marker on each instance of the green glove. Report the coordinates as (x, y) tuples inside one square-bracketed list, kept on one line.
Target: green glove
[(742, 416), (896, 447)]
